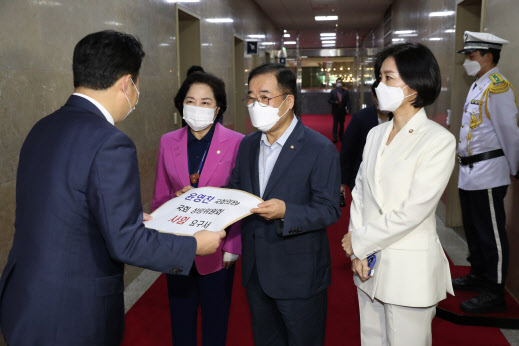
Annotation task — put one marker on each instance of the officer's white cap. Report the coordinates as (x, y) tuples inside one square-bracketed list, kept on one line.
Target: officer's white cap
[(481, 40)]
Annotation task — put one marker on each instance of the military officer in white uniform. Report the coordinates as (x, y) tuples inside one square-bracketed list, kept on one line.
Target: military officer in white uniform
[(488, 152)]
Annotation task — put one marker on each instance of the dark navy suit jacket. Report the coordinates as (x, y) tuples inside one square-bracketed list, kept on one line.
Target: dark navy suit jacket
[(353, 142), (292, 257), (339, 110), (78, 219)]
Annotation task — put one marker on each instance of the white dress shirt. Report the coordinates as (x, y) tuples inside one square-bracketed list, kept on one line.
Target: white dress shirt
[(103, 110), (269, 153)]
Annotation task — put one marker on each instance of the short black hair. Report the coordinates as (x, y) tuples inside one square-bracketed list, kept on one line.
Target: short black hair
[(285, 77), (215, 83), (496, 54), (195, 68), (338, 79), (374, 86), (417, 67), (101, 58)]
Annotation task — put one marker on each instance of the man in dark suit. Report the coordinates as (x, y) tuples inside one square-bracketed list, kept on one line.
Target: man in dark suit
[(354, 140), (285, 253), (78, 210), (340, 101)]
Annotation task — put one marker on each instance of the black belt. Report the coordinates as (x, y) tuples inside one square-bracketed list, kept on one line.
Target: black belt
[(470, 160)]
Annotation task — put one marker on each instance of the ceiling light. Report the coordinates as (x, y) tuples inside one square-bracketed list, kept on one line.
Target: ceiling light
[(285, 30), (404, 32), (450, 30), (398, 40), (441, 14), (324, 42), (290, 42), (113, 23), (325, 34), (268, 43), (329, 45), (286, 35), (320, 18), (435, 39), (220, 20), (256, 36)]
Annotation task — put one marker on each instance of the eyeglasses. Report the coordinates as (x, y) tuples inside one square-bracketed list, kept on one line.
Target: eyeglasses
[(263, 101)]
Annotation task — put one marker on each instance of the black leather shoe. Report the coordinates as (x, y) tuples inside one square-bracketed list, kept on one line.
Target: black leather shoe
[(485, 303), (469, 282)]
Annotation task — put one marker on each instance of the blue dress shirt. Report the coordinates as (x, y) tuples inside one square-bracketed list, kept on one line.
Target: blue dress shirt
[(269, 153)]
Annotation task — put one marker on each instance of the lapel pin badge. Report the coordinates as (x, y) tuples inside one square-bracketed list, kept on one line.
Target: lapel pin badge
[(411, 131), (291, 147), (218, 152)]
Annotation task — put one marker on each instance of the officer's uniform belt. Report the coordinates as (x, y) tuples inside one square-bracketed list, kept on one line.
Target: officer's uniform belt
[(470, 160)]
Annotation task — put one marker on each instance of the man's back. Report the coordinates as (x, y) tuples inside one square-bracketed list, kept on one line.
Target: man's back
[(78, 218)]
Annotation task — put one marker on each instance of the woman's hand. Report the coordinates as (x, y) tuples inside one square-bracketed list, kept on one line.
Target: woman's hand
[(184, 190), (146, 217), (346, 244), (360, 268)]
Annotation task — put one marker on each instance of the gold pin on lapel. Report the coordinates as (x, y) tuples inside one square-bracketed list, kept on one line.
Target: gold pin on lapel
[(291, 147), (218, 152), (411, 131)]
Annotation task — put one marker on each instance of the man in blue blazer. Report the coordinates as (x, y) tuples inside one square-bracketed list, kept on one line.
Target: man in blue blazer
[(340, 101), (78, 210), (285, 252)]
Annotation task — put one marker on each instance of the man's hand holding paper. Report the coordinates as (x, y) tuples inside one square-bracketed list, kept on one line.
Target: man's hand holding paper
[(205, 208)]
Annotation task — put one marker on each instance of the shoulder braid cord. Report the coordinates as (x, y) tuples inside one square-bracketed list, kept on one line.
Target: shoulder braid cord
[(498, 86)]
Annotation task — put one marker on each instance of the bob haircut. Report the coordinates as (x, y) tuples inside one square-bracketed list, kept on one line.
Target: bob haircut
[(285, 77), (215, 83), (417, 67)]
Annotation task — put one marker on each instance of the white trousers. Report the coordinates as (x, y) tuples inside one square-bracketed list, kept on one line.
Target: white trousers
[(394, 325)]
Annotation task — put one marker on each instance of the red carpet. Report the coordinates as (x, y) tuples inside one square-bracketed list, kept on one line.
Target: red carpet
[(452, 303), (148, 323)]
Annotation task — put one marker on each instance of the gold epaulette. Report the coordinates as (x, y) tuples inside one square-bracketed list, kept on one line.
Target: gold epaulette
[(499, 85)]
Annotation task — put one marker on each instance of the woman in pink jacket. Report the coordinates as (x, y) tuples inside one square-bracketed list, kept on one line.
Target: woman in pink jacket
[(200, 154)]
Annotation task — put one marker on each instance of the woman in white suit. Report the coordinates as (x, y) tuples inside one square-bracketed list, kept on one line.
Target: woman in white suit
[(406, 165)]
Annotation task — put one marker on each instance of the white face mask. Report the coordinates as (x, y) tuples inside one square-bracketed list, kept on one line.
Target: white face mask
[(339, 85), (138, 95), (472, 67), (265, 117), (390, 98), (198, 118)]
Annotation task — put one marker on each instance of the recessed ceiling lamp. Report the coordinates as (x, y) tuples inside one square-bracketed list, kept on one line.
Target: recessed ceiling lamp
[(321, 18), (441, 14), (220, 20)]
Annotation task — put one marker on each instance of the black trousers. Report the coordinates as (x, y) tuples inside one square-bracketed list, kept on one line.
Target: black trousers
[(483, 214), (212, 292), (338, 122), (286, 322)]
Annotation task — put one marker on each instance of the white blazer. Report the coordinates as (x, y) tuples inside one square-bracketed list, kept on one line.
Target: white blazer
[(392, 213)]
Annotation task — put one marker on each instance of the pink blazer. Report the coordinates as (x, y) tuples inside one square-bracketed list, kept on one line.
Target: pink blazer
[(172, 175)]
